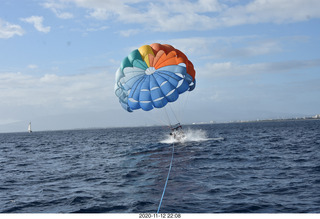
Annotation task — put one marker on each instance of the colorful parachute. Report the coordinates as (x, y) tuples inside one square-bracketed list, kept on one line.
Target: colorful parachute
[(152, 76)]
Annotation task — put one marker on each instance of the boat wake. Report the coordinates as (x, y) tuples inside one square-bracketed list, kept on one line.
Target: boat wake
[(190, 135)]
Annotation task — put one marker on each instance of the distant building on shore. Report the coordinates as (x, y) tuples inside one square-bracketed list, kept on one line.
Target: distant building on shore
[(316, 116)]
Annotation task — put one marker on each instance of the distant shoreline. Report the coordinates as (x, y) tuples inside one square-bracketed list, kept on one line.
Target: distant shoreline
[(259, 120), (280, 120), (317, 117)]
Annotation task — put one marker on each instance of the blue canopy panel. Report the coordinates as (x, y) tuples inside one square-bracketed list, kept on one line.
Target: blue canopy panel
[(131, 75), (136, 89)]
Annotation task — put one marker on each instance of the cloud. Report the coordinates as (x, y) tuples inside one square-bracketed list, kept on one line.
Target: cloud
[(154, 15), (271, 11), (37, 23), (8, 30), (54, 101), (62, 15), (181, 15), (129, 32), (32, 66), (94, 29), (228, 47), (254, 48), (55, 94), (227, 69), (57, 8)]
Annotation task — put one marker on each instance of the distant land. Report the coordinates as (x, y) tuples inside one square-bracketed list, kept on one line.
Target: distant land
[(105, 121), (315, 117)]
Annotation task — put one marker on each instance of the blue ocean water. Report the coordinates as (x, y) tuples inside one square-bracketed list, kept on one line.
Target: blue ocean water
[(267, 167)]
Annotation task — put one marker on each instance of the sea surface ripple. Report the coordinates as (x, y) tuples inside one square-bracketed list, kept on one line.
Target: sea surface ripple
[(261, 167)]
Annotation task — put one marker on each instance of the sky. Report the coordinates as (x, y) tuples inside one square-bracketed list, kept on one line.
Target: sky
[(254, 59)]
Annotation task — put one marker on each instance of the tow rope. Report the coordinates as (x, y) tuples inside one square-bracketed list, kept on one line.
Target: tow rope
[(165, 185)]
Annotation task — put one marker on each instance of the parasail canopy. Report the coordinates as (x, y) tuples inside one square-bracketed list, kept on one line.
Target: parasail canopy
[(152, 76)]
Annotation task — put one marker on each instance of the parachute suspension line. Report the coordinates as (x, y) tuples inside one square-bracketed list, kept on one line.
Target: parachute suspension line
[(156, 119), (174, 114), (168, 118), (183, 105), (185, 101), (165, 185)]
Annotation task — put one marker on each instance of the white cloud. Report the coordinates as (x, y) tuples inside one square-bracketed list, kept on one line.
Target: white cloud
[(229, 69), (249, 47), (57, 102), (8, 30), (226, 47), (62, 15), (94, 29), (57, 8), (129, 32), (56, 93), (273, 11), (49, 78), (32, 66), (7, 121), (100, 14), (180, 15), (37, 23)]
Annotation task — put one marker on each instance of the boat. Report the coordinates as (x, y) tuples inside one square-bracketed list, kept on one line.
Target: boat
[(29, 127), (177, 132)]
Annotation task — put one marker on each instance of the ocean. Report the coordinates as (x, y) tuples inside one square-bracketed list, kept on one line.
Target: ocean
[(259, 167)]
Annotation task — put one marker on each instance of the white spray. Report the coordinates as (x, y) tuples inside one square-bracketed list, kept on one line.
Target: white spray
[(190, 135)]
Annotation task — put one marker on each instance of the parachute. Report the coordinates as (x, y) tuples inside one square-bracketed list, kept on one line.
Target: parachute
[(152, 76)]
